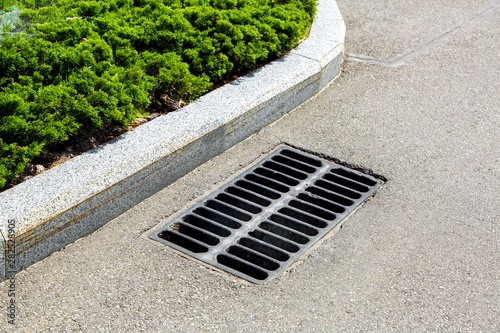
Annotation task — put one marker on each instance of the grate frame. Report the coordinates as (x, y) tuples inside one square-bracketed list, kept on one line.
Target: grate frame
[(265, 218)]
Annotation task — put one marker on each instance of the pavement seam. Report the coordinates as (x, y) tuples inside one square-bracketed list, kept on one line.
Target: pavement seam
[(409, 54)]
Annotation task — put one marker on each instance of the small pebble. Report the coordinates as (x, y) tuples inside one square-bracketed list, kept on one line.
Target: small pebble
[(28, 168), (152, 116), (93, 142)]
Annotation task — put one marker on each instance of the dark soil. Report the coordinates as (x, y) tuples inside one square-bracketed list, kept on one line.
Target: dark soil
[(56, 155)]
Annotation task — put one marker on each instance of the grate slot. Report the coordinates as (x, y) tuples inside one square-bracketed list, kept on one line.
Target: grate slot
[(312, 199), (302, 158), (264, 249), (273, 240), (294, 164), (248, 196), (262, 220), (351, 175), (330, 196), (283, 169), (306, 218), (276, 176), (213, 216), (258, 189), (235, 202), (206, 225), (242, 267), (337, 189), (293, 225), (267, 183), (195, 233), (347, 183), (284, 232), (224, 209), (182, 241), (253, 257), (312, 210)]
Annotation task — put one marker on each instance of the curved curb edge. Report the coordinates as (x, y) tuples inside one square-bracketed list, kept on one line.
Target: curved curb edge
[(79, 196)]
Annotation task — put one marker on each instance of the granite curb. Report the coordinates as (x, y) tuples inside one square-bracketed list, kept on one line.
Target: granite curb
[(81, 195)]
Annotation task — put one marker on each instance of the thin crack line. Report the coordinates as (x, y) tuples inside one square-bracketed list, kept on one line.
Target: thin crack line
[(410, 53)]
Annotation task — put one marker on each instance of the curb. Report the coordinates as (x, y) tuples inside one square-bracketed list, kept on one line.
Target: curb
[(81, 195)]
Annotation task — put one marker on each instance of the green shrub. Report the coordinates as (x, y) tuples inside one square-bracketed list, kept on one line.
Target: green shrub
[(91, 64)]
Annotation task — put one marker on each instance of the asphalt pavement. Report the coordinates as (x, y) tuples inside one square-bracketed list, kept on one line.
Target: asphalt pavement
[(418, 102)]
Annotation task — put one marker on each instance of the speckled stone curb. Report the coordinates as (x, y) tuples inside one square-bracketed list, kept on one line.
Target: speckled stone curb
[(77, 197)]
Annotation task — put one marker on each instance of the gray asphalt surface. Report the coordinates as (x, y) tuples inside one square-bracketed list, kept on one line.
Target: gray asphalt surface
[(422, 255)]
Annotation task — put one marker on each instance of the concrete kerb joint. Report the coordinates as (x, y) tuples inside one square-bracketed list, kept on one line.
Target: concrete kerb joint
[(79, 196)]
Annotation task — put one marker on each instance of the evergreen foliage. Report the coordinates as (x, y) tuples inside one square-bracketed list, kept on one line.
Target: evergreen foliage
[(93, 63)]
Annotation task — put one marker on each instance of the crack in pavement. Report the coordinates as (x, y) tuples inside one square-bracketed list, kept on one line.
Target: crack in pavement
[(403, 58)]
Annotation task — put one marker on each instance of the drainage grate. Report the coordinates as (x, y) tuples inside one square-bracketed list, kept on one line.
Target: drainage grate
[(264, 219)]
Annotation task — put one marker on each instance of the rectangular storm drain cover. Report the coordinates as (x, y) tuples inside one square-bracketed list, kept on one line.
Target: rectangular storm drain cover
[(264, 219)]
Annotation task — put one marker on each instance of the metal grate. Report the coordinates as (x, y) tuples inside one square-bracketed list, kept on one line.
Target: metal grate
[(264, 219)]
